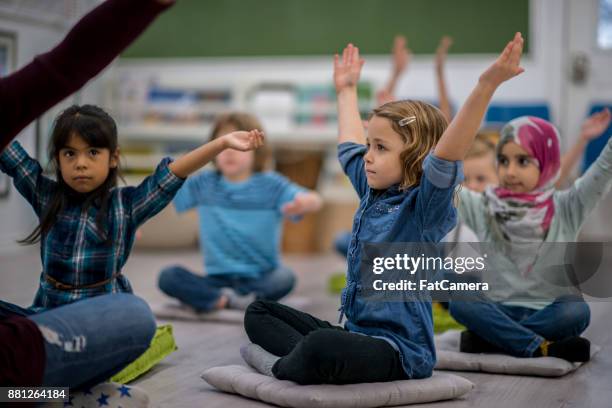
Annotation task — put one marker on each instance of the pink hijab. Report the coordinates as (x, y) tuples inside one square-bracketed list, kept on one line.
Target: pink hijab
[(526, 217)]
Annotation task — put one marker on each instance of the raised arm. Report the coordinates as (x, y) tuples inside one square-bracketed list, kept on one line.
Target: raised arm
[(346, 76), (89, 47), (401, 56), (198, 158), (441, 54), (158, 189), (578, 201), (27, 175), (591, 129), (458, 137)]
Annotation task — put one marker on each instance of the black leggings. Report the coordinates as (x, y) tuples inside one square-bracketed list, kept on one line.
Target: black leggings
[(313, 351)]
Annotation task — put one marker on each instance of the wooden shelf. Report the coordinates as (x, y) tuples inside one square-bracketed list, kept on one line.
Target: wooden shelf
[(166, 133), (201, 133)]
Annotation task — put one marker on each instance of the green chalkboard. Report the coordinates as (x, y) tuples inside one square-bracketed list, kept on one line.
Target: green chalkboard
[(221, 28)]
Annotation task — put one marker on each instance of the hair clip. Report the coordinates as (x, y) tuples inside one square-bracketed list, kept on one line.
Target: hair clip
[(406, 121)]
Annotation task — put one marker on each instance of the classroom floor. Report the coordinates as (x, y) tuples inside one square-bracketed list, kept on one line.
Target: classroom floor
[(176, 381)]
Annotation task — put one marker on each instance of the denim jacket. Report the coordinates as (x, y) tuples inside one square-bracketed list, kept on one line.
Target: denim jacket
[(423, 213)]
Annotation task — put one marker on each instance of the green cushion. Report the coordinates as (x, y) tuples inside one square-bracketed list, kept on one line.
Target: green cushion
[(442, 320), (161, 346), (337, 282)]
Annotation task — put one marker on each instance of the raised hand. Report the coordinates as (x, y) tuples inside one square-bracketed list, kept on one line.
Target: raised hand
[(595, 125), (243, 140), (348, 68), (197, 158), (442, 51), (383, 96), (459, 136), (401, 54), (507, 64), (443, 99)]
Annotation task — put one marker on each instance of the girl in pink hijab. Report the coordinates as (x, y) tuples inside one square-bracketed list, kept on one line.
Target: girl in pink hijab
[(528, 163), (532, 308)]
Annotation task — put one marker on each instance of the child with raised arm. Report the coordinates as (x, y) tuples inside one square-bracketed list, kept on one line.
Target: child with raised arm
[(525, 315), (405, 173), (26, 357), (400, 60), (241, 209), (87, 223)]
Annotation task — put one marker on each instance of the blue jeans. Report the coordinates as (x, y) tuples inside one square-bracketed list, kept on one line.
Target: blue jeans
[(9, 309), (88, 341), (342, 243), (520, 330), (203, 292)]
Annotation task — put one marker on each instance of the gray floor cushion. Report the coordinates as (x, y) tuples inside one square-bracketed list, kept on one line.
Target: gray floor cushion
[(179, 311), (249, 383), (450, 358)]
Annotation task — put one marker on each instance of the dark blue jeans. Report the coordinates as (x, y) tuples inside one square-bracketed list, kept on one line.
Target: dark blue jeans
[(519, 330), (88, 341), (203, 292)]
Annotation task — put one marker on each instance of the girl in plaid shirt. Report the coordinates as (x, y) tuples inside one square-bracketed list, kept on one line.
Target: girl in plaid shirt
[(87, 223)]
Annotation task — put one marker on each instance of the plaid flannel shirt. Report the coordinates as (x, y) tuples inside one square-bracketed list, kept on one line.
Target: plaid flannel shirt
[(75, 252)]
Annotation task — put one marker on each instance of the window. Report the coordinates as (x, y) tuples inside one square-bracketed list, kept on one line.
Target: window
[(604, 25)]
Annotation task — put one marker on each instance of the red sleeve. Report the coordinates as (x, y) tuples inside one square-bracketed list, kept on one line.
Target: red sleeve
[(22, 352), (89, 47)]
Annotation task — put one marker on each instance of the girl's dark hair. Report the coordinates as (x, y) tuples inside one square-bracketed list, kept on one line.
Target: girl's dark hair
[(97, 129)]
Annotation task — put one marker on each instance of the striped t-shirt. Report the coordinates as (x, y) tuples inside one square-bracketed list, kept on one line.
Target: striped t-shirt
[(240, 223)]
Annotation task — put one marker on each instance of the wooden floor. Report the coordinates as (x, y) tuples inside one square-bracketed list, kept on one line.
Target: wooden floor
[(176, 381)]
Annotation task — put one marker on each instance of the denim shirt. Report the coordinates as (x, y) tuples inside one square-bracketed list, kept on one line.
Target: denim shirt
[(423, 213)]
